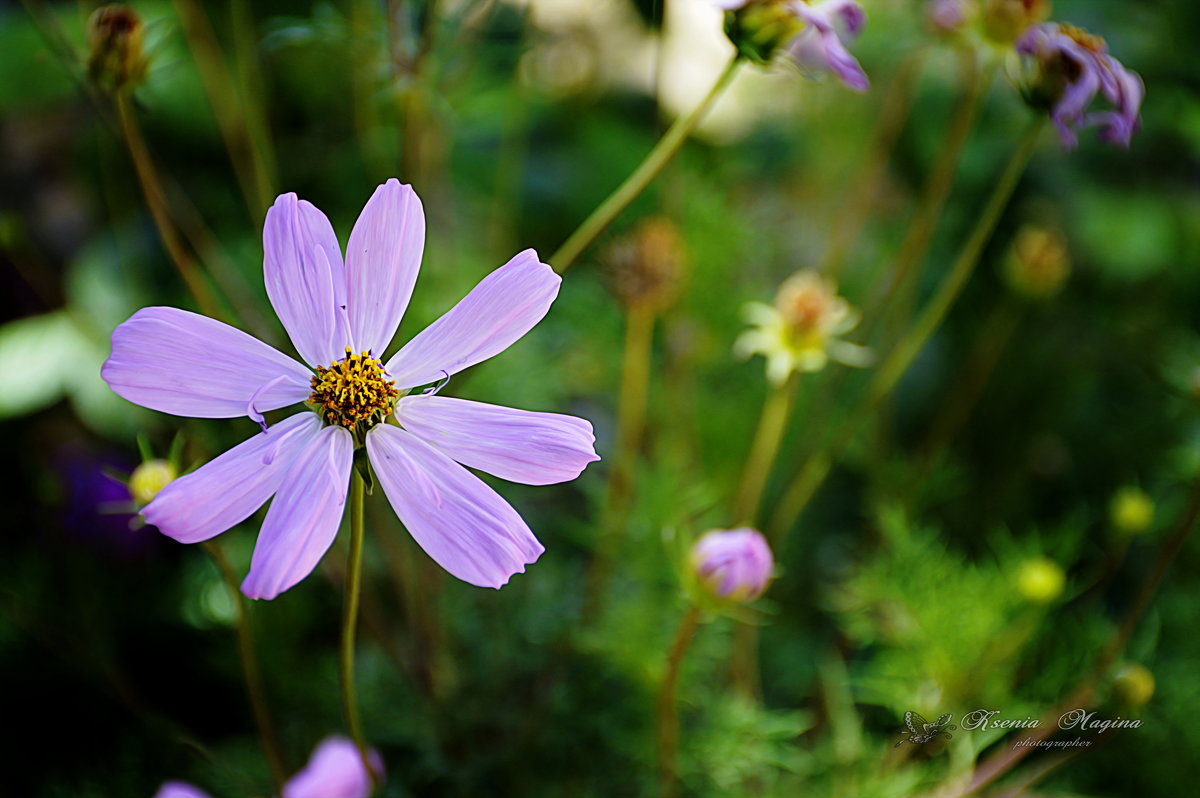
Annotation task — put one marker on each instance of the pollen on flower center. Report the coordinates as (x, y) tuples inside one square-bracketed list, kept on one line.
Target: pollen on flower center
[(354, 390)]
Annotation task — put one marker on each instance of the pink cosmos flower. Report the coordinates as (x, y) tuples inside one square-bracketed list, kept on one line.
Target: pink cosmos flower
[(819, 41), (341, 316), (1073, 66), (335, 770), (733, 564)]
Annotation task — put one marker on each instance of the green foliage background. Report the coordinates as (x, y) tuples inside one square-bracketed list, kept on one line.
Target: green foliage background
[(895, 589)]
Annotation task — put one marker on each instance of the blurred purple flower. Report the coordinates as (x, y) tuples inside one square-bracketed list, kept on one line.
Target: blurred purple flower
[(1071, 67), (733, 564), (182, 363), (819, 42), (947, 15), (335, 770), (97, 508)]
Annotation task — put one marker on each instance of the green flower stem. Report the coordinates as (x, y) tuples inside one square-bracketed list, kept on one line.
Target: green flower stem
[(933, 201), (772, 423), (631, 422), (350, 621), (649, 168), (896, 363), (895, 108), (251, 672), (668, 719), (156, 201)]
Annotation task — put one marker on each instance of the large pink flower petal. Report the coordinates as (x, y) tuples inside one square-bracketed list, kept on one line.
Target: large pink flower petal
[(228, 489), (383, 257), (459, 521), (517, 445), (505, 305), (183, 363), (304, 517), (335, 770), (306, 282)]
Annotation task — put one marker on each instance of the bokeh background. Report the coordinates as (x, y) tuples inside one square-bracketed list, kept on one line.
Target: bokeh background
[(898, 588)]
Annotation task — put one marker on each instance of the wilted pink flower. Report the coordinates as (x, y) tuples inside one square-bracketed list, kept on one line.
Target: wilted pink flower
[(821, 26), (1068, 68), (733, 564), (335, 770), (182, 363)]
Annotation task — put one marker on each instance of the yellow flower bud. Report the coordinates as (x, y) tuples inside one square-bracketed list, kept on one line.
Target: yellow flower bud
[(1131, 511), (1133, 685), (1040, 580), (149, 478), (1038, 263)]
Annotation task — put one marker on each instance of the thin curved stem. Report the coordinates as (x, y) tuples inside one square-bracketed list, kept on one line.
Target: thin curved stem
[(668, 719), (772, 423), (350, 622), (251, 672), (649, 168)]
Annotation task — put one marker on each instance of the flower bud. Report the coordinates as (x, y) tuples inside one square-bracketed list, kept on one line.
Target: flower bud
[(1133, 685), (1040, 580), (647, 265), (115, 39), (760, 28), (1038, 264), (1005, 20), (732, 565), (149, 478), (1131, 511), (950, 16)]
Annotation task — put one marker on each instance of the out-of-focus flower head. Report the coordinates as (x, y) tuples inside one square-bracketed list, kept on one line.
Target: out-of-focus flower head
[(811, 33), (732, 565), (1038, 264), (115, 57), (1040, 580), (1063, 69), (799, 331), (647, 266), (1131, 511), (335, 770), (1004, 21)]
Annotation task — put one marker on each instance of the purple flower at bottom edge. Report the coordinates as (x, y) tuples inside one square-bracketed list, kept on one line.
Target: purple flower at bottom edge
[(820, 42), (1088, 69), (733, 564), (335, 770), (182, 363)]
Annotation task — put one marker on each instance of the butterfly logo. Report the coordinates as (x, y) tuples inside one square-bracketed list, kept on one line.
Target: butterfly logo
[(922, 731)]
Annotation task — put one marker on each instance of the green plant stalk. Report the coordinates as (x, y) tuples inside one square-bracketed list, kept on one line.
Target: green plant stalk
[(641, 177), (897, 362), (350, 622), (772, 423), (251, 672), (933, 202), (896, 106), (631, 423), (668, 719), (156, 202)]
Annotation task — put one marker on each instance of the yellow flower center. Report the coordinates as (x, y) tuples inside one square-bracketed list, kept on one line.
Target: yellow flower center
[(353, 391), (1087, 41)]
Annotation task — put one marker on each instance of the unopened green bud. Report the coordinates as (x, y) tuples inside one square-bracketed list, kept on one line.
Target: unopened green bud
[(1038, 264), (1131, 511), (760, 27), (1005, 20), (115, 39), (149, 478), (1133, 685), (1040, 580)]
